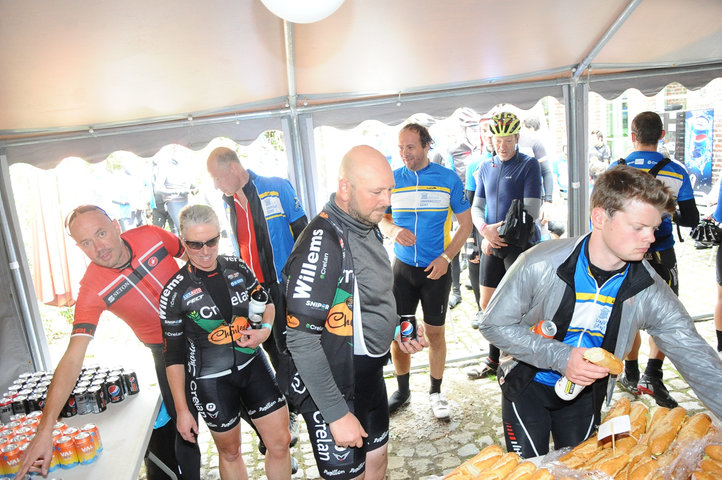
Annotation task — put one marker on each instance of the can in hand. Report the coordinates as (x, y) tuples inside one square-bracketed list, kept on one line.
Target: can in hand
[(408, 328), (545, 328)]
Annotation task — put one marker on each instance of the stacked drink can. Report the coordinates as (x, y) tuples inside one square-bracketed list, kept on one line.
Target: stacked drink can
[(71, 446), (95, 389), (26, 394)]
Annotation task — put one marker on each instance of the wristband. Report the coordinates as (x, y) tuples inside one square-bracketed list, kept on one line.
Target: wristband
[(267, 325), (446, 257), (481, 229)]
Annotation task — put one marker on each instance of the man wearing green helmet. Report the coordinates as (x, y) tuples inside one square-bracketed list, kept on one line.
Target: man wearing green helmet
[(507, 176)]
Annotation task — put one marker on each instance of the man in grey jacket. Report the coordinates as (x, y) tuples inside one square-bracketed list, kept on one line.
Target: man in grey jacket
[(599, 292), (342, 319)]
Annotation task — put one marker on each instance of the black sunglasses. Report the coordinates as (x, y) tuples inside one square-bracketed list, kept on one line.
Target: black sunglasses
[(198, 245), (77, 211)]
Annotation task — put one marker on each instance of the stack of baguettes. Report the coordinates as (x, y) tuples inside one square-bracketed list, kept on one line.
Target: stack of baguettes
[(493, 464), (657, 447), (665, 445)]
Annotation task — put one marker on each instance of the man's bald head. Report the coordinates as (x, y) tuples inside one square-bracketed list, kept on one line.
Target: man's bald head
[(223, 156), (364, 184), (226, 170)]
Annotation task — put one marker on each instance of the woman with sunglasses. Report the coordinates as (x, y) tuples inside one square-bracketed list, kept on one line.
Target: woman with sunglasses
[(204, 312)]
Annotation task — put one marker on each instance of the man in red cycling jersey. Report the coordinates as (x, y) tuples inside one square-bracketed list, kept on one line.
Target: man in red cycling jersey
[(126, 277)]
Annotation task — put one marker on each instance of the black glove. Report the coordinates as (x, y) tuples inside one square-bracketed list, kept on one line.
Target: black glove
[(707, 231)]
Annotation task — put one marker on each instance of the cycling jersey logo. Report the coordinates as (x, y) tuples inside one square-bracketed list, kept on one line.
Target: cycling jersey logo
[(188, 295), (118, 292), (381, 438), (309, 268), (236, 282), (192, 359), (233, 275), (338, 321), (193, 386), (341, 456), (227, 333), (297, 385), (208, 311), (195, 299), (153, 261), (292, 321), (321, 437)]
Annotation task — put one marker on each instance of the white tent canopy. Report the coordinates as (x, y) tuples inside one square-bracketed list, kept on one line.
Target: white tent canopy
[(85, 79)]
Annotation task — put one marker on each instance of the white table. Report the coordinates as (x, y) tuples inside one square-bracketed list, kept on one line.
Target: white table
[(125, 430)]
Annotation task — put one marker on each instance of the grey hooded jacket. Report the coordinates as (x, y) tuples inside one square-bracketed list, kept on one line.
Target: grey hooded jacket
[(532, 291)]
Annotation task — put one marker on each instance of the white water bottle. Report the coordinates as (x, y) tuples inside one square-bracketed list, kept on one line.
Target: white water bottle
[(256, 307), (566, 389)]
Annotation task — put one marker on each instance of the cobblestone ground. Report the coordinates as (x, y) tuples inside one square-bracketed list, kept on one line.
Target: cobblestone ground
[(422, 447)]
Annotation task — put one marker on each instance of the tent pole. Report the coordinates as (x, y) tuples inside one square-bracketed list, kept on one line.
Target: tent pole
[(30, 314), (575, 96), (584, 64), (302, 187)]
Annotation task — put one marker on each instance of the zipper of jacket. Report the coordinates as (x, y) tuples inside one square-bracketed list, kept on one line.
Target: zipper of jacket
[(498, 181), (416, 219), (248, 229)]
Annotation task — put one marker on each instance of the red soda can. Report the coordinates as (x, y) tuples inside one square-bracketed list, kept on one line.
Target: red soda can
[(5, 436), (36, 414), (545, 328), (408, 328), (131, 382), (10, 458), (92, 429), (31, 422), (18, 417), (85, 448), (20, 439), (14, 425), (24, 430), (67, 455)]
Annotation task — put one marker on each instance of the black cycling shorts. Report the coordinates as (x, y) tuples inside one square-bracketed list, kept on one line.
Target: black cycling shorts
[(493, 267), (371, 408), (411, 285), (218, 400), (537, 412), (719, 267), (665, 264)]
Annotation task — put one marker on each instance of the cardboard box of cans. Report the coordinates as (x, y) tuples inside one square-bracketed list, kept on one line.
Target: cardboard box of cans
[(95, 388), (71, 446)]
